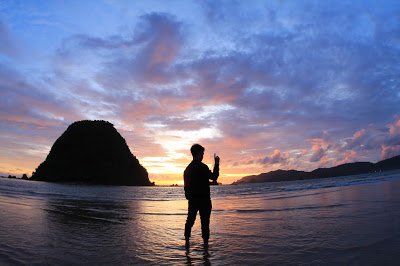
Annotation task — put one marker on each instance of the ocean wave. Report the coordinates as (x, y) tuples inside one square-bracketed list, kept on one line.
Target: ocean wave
[(288, 196), (83, 216), (161, 213), (289, 209)]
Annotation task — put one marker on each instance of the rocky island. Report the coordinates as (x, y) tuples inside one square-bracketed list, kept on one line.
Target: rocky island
[(92, 152)]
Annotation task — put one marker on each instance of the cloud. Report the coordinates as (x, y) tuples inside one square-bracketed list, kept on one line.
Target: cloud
[(144, 57), (334, 151), (318, 154), (390, 151), (362, 139), (7, 44), (275, 158), (348, 157), (319, 150), (31, 118), (22, 101), (391, 147), (394, 129)]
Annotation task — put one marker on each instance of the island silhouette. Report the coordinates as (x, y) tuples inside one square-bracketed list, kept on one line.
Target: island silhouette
[(92, 152), (339, 170)]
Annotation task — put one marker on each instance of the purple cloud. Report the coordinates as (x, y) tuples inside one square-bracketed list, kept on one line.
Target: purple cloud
[(275, 158), (391, 147)]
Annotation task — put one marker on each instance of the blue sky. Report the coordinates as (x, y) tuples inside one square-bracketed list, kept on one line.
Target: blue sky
[(266, 84)]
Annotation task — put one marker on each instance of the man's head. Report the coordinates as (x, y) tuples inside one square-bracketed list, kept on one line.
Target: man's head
[(197, 152)]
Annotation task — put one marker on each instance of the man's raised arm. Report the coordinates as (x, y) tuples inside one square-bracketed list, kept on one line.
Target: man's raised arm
[(215, 172)]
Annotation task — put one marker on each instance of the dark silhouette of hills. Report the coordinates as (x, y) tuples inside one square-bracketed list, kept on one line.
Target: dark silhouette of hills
[(24, 177), (340, 170), (92, 152)]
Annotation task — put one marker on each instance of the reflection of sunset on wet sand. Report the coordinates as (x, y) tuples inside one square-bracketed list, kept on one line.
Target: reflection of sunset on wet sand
[(325, 221)]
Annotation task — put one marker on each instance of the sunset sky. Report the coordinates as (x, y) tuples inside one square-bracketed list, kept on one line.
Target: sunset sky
[(264, 84)]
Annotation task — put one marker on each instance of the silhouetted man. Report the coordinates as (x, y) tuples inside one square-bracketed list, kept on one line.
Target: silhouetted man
[(197, 192)]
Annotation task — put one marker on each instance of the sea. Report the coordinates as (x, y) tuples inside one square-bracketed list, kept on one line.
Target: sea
[(352, 220)]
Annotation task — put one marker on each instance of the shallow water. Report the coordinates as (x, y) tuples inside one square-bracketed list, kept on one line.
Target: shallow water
[(346, 220)]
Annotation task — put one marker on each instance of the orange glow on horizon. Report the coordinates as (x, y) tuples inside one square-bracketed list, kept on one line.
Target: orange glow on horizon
[(160, 175), (224, 178), (16, 166)]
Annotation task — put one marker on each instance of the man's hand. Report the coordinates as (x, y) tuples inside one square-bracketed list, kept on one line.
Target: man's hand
[(216, 159)]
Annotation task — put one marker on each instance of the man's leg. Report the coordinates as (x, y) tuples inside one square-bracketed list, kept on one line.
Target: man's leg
[(205, 213), (191, 217)]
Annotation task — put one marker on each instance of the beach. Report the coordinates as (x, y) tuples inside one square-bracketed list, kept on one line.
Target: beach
[(345, 220)]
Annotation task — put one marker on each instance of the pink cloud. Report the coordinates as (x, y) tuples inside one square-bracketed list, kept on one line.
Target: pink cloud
[(318, 149), (394, 129), (348, 157), (389, 151), (391, 147), (359, 134), (277, 157)]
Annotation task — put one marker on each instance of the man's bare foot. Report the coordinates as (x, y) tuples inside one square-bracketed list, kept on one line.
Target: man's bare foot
[(205, 244)]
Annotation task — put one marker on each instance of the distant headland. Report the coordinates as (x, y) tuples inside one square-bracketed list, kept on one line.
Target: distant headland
[(92, 152), (340, 170)]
